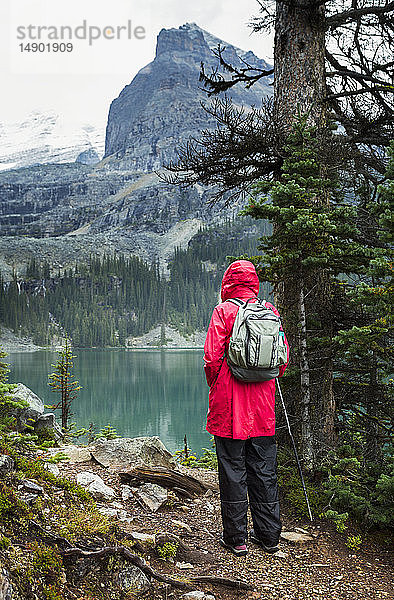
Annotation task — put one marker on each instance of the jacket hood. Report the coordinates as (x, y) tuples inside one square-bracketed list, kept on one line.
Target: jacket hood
[(240, 281)]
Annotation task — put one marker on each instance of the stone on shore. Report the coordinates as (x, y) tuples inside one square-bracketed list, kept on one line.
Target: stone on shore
[(152, 496), (132, 452), (95, 485), (26, 417), (76, 454)]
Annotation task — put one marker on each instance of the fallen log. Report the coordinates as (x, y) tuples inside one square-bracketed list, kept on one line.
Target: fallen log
[(174, 480)]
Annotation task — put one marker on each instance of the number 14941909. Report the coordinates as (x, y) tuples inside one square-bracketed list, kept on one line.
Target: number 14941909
[(46, 47)]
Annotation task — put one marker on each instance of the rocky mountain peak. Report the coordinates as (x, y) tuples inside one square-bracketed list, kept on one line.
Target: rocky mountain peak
[(188, 38), (161, 108)]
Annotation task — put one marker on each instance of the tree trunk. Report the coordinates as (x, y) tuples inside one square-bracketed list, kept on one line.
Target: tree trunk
[(299, 62), (299, 85)]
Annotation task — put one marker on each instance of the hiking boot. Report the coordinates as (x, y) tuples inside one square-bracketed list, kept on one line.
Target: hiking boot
[(270, 549), (241, 550)]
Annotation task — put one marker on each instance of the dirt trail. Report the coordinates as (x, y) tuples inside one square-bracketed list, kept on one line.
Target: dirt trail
[(322, 568)]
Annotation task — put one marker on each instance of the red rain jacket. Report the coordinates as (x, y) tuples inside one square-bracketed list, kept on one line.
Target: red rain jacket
[(237, 409)]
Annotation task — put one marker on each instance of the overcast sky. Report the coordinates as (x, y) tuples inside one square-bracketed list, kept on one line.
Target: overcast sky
[(80, 84)]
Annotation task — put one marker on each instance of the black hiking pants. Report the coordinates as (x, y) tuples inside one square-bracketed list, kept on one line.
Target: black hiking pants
[(248, 468)]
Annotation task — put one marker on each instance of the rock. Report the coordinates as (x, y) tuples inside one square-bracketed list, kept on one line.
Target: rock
[(295, 538), (101, 491), (95, 485), (132, 452), (279, 554), (48, 421), (183, 565), (110, 511), (127, 493), (132, 579), (197, 595), (76, 454), (7, 464), (6, 591), (143, 537), (107, 511), (52, 468), (27, 416), (85, 478), (300, 530), (153, 496), (31, 486), (29, 499), (182, 525)]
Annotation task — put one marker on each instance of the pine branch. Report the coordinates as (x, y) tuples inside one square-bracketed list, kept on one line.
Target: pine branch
[(336, 20), (217, 83)]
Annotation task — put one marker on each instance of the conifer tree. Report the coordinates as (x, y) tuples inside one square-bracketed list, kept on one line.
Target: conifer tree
[(62, 381), (365, 347), (312, 242)]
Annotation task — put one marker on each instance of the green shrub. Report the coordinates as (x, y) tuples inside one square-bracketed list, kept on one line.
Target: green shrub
[(353, 542), (361, 488), (167, 551), (339, 519)]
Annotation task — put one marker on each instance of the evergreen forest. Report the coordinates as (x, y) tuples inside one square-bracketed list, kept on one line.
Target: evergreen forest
[(104, 301)]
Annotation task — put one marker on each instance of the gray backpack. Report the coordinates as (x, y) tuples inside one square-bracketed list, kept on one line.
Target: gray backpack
[(257, 347)]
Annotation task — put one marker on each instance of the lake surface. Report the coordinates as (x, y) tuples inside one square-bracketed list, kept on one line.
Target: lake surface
[(141, 393)]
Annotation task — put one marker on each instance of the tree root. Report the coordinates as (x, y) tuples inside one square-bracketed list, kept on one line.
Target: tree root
[(141, 564)]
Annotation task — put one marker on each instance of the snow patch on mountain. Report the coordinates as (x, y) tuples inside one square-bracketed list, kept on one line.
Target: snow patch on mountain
[(46, 138)]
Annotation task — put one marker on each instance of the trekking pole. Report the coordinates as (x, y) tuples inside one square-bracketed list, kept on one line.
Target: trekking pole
[(295, 451)]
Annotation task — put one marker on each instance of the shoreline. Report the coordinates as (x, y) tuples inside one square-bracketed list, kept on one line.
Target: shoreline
[(21, 349), (12, 344)]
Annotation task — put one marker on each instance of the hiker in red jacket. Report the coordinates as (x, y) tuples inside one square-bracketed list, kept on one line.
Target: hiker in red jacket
[(241, 416)]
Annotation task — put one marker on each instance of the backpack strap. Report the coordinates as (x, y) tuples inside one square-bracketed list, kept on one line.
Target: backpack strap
[(240, 302), (236, 301)]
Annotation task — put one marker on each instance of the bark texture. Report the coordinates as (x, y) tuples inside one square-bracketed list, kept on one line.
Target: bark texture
[(299, 76), (300, 86)]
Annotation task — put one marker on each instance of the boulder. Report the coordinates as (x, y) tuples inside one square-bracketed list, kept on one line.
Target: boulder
[(131, 580), (76, 454), (296, 538), (85, 478), (132, 452), (147, 540), (95, 485), (34, 407), (153, 496), (7, 464), (48, 421), (52, 468)]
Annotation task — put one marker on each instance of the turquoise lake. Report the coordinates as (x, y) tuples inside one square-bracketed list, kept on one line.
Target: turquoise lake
[(140, 393)]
